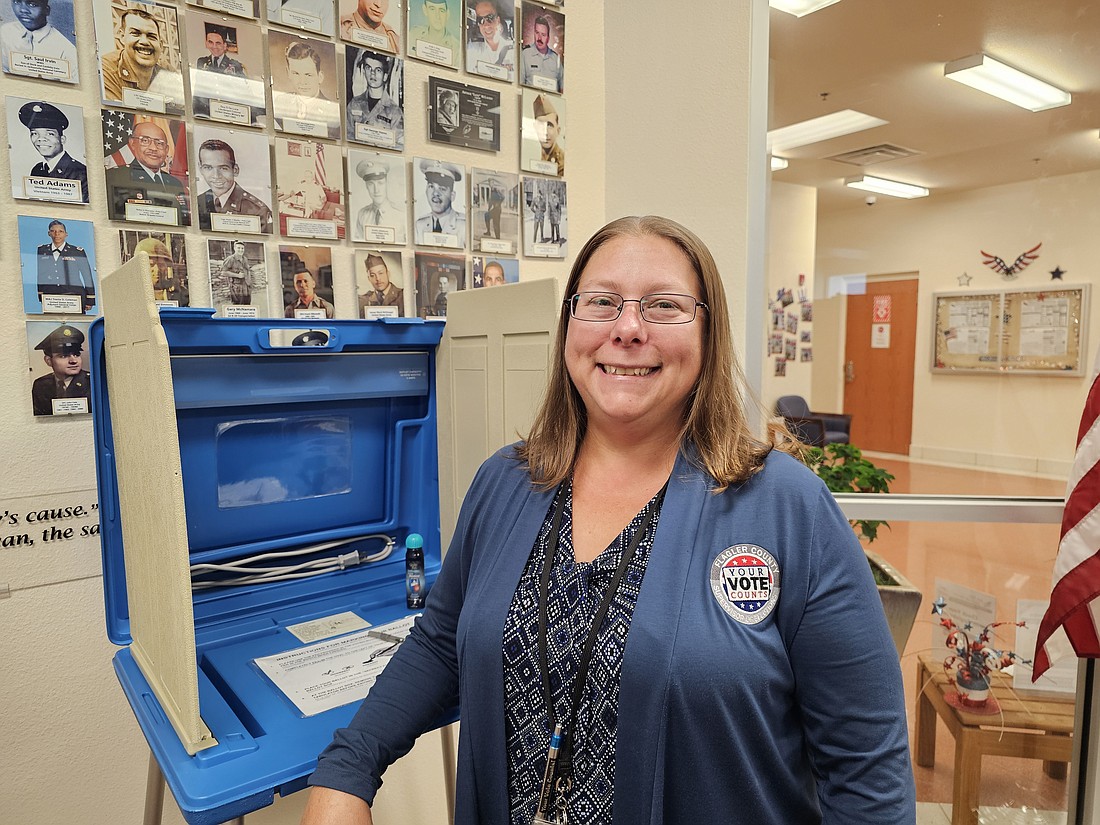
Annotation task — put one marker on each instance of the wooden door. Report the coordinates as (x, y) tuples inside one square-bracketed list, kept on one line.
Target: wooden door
[(879, 353)]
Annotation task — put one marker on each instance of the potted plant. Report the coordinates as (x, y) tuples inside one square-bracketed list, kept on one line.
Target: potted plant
[(844, 470)]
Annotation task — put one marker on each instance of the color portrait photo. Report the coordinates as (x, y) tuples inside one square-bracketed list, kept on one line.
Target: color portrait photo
[(380, 283), (57, 353), (227, 69), (167, 262), (145, 163), (58, 265), (38, 39), (141, 60)]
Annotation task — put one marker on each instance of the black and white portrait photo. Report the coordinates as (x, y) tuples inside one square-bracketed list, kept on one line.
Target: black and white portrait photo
[(38, 39), (437, 276), (234, 180), (377, 205), (238, 277), (494, 211), (545, 218), (46, 151), (376, 98), (440, 203), (310, 184), (303, 84)]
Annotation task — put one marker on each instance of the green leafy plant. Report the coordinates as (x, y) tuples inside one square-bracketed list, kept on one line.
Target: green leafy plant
[(844, 470)]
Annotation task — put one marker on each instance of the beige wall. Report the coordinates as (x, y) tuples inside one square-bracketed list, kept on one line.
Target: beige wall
[(72, 751), (1025, 423), (792, 225)]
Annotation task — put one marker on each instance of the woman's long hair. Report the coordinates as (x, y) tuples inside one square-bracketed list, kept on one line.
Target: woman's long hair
[(715, 423)]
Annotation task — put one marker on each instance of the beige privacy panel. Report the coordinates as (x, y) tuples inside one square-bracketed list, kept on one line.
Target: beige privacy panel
[(150, 492), (492, 369)]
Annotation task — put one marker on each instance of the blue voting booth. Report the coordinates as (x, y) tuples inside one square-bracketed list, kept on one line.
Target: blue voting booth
[(219, 440)]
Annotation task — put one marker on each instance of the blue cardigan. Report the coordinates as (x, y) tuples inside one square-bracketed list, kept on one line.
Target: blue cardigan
[(797, 718)]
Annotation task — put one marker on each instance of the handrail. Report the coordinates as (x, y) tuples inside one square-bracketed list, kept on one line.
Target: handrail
[(920, 507)]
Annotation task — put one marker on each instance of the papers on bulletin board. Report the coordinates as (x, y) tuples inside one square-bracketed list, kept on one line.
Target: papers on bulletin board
[(329, 674)]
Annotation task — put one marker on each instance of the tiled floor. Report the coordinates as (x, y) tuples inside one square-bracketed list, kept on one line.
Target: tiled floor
[(932, 813), (1010, 561)]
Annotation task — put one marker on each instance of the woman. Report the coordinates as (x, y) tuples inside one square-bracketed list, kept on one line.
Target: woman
[(742, 671)]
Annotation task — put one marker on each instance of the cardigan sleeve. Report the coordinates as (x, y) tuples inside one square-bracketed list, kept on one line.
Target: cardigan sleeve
[(420, 683), (849, 684)]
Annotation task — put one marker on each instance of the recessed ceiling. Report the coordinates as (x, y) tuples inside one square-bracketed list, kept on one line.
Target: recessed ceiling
[(886, 59)]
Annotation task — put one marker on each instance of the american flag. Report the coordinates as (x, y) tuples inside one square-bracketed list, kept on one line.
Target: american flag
[(117, 128), (1075, 598), (319, 173)]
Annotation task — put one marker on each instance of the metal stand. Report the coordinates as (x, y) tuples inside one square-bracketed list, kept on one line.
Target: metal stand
[(154, 796)]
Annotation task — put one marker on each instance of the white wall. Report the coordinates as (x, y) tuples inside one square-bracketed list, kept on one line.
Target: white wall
[(1026, 423), (792, 223)]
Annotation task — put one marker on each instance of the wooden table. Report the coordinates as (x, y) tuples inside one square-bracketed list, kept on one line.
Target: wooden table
[(1027, 727)]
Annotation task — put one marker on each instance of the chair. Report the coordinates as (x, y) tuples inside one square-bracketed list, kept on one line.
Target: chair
[(813, 428)]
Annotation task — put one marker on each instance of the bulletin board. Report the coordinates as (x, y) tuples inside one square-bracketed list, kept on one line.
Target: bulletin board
[(1011, 331)]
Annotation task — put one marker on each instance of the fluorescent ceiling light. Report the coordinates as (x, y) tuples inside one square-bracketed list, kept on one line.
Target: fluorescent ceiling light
[(985, 74), (887, 187), (778, 163), (800, 8), (821, 128)]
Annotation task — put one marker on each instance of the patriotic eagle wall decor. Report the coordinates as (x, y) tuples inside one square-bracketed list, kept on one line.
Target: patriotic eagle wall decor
[(1010, 271)]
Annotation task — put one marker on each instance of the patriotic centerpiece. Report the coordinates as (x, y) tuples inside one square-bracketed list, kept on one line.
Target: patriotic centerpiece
[(973, 659)]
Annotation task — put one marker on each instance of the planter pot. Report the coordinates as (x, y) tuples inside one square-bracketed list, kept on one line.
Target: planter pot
[(973, 691), (900, 598)]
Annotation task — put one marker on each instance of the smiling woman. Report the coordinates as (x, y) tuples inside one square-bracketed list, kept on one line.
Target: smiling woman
[(629, 555)]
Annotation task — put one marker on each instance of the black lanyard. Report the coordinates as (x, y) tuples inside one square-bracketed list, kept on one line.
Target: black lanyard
[(565, 753)]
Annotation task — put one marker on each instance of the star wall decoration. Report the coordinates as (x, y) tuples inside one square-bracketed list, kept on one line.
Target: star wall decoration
[(964, 280), (1057, 273)]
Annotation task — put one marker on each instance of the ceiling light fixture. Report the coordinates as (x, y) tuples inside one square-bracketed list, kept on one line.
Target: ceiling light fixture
[(800, 8), (883, 186), (982, 72), (778, 163), (817, 129)]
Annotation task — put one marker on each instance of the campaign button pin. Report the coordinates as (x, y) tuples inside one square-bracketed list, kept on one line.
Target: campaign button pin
[(744, 580)]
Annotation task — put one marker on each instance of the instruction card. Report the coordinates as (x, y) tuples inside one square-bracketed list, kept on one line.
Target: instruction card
[(329, 674)]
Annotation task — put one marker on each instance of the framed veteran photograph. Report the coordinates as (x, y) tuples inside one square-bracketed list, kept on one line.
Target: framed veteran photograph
[(379, 283), (38, 39), (462, 115), (145, 162), (46, 151), (238, 277), (234, 180), (544, 218), (303, 85), (542, 58), (57, 262), (494, 211), (59, 367), (168, 261), (377, 192), (493, 271), (375, 91), (310, 179), (241, 8), (317, 16), (227, 69), (542, 133), (141, 58), (435, 31), (491, 39), (372, 23), (306, 273), (439, 203), (436, 277)]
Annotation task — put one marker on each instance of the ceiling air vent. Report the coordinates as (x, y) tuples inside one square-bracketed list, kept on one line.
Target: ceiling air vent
[(874, 154)]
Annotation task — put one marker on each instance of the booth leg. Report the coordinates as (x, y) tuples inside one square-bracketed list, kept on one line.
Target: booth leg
[(154, 793), (449, 767)]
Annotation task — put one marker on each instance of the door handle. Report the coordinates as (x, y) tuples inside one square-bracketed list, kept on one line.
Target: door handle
[(849, 372)]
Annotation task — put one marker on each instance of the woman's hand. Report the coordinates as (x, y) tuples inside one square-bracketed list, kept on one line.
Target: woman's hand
[(330, 807)]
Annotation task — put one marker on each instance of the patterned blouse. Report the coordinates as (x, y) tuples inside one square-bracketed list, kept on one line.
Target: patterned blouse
[(576, 589)]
